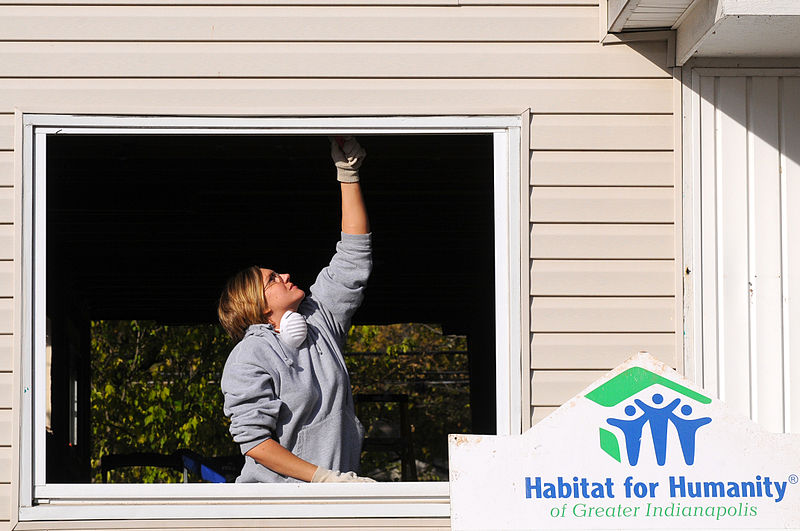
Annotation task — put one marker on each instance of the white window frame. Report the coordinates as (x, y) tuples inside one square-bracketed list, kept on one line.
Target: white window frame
[(42, 501)]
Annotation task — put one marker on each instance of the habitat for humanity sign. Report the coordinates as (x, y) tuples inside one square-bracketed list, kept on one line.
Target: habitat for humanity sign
[(640, 448)]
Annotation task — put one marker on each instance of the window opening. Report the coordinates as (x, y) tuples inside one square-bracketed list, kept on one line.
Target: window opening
[(146, 228)]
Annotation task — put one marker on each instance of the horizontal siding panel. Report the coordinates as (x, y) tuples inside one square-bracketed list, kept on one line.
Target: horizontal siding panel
[(603, 168), (6, 352), (524, 2), (327, 60), (540, 412), (597, 351), (553, 388), (7, 128), (6, 205), (401, 3), (602, 132), (602, 314), (602, 241), (271, 2), (6, 278), (273, 24), (5, 427), (6, 168), (6, 388), (342, 96), (6, 316), (602, 205), (5, 464), (5, 502), (603, 277), (6, 242)]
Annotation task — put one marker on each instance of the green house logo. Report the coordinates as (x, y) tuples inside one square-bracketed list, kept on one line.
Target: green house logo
[(655, 415)]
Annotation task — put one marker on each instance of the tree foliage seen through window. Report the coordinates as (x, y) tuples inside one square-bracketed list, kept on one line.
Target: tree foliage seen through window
[(155, 388)]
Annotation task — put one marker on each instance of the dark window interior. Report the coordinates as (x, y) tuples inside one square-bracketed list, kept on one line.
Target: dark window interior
[(151, 226)]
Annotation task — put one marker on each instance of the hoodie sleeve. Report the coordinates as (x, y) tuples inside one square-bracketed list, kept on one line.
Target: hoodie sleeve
[(339, 288), (251, 404)]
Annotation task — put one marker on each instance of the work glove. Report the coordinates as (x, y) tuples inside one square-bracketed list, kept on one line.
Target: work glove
[(323, 475), (347, 157)]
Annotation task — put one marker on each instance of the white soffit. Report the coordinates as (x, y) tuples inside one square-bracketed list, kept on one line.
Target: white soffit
[(715, 28), (740, 28), (633, 15)]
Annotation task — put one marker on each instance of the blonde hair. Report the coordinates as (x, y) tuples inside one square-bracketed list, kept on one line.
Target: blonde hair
[(242, 302)]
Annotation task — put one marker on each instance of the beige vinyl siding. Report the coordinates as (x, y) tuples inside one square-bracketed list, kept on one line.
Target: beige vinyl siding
[(556, 387), (6, 204), (339, 96), (625, 278), (560, 204), (603, 274), (604, 168), (316, 60), (6, 241), (6, 128), (595, 351), (5, 427), (297, 24), (6, 168), (598, 241), (6, 315), (602, 196), (6, 353)]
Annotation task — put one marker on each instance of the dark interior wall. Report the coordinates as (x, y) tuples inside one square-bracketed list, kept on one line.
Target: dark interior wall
[(151, 226)]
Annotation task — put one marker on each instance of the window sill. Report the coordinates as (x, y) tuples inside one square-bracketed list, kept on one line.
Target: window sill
[(203, 501)]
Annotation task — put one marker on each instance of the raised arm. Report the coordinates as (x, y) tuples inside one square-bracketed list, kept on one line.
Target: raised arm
[(348, 155), (354, 212)]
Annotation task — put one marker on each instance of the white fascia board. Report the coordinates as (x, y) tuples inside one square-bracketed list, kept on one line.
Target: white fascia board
[(696, 27), (701, 33)]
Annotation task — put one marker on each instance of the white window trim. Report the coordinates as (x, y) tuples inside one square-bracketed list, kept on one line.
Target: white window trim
[(182, 501)]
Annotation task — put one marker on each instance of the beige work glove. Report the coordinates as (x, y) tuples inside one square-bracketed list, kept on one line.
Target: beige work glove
[(348, 158), (323, 475)]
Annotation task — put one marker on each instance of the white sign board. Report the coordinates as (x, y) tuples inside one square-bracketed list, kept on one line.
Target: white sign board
[(640, 448)]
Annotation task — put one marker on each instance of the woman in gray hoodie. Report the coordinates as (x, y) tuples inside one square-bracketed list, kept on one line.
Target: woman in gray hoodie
[(286, 386)]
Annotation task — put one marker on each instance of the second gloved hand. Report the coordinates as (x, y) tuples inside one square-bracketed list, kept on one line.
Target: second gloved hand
[(348, 158), (323, 475)]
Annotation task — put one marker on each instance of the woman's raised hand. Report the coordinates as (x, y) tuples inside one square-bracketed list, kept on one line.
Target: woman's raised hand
[(348, 155)]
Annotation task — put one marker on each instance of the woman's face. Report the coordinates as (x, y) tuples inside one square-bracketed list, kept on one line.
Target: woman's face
[(281, 294)]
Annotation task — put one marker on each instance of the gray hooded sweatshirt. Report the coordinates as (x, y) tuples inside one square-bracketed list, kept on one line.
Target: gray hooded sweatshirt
[(301, 397)]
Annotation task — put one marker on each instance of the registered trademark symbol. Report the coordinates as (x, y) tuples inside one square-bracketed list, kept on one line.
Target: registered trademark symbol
[(793, 479)]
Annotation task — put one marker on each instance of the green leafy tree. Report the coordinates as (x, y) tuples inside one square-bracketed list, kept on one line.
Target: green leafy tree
[(155, 388), (431, 368)]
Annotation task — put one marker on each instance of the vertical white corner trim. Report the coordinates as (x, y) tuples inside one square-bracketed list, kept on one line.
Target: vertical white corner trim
[(508, 364), (692, 252), (739, 144), (26, 402)]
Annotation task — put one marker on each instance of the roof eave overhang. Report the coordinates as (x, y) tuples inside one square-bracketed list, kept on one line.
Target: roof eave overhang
[(718, 28)]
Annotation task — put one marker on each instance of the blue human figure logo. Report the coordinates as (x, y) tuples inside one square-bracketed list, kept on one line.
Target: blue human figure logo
[(659, 420), (632, 429), (687, 430)]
